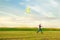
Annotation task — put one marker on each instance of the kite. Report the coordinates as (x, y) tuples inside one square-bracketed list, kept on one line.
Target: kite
[(28, 10)]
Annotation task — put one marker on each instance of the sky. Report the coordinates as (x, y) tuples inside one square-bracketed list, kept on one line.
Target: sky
[(44, 12)]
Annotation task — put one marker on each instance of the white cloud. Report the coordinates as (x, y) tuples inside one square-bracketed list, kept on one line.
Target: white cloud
[(10, 14), (50, 14), (21, 3), (10, 11), (27, 21), (54, 3), (40, 10), (19, 21)]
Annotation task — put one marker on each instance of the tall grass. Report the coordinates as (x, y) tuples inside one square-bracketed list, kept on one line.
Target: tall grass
[(28, 29)]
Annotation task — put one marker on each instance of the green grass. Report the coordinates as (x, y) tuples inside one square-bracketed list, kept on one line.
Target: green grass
[(29, 35), (28, 29)]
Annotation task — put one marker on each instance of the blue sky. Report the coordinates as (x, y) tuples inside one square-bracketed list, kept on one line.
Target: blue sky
[(41, 11)]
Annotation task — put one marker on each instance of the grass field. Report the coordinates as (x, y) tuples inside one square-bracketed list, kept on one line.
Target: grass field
[(28, 29), (29, 35)]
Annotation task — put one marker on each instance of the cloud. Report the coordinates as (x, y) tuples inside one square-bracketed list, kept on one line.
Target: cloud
[(19, 21), (10, 14), (11, 11), (21, 3), (41, 11), (28, 21), (54, 3)]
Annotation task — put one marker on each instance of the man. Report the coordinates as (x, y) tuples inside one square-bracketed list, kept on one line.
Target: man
[(40, 29)]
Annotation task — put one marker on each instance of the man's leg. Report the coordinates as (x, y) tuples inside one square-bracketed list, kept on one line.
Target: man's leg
[(38, 30), (41, 30)]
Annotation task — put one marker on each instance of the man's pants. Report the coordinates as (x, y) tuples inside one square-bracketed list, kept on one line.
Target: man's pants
[(39, 30)]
